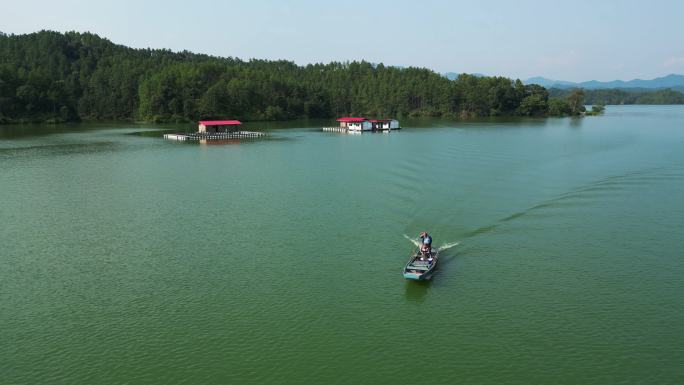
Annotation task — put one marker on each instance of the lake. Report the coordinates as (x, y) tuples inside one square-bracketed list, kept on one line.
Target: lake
[(129, 259)]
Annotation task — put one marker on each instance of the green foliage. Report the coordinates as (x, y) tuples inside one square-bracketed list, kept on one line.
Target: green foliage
[(597, 109), (576, 101), (559, 107), (71, 76), (617, 96), (535, 101), (570, 105)]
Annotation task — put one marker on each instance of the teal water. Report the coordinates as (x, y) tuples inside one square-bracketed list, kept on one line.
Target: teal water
[(127, 259)]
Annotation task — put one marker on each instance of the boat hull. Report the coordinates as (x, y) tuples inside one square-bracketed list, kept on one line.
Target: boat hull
[(418, 277), (418, 269)]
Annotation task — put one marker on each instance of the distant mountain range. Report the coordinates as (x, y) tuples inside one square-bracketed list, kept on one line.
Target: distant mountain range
[(670, 81), (674, 81)]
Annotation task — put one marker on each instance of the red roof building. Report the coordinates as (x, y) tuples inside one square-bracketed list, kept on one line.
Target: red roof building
[(354, 124), (217, 125), (365, 124), (351, 120)]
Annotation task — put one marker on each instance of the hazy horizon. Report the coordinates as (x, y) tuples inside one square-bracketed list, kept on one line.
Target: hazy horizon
[(571, 42)]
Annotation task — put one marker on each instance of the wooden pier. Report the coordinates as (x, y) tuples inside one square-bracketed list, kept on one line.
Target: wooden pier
[(204, 136)]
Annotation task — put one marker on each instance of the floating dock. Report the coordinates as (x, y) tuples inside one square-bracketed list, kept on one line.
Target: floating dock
[(204, 136), (353, 125), (346, 130), (336, 129)]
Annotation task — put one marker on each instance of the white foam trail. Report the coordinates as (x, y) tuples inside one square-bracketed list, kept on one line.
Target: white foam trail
[(414, 241), (447, 246)]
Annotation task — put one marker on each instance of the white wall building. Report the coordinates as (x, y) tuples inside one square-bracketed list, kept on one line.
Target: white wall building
[(384, 124), (363, 124)]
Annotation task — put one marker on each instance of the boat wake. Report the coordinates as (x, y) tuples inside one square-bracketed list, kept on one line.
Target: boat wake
[(444, 246), (447, 246), (412, 240)]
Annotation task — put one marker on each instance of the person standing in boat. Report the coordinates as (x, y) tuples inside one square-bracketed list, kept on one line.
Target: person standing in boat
[(426, 242)]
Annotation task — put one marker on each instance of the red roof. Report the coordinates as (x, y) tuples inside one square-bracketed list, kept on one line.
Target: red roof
[(351, 120), (220, 122)]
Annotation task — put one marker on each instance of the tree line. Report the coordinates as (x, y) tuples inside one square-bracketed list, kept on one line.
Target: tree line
[(625, 96), (57, 77)]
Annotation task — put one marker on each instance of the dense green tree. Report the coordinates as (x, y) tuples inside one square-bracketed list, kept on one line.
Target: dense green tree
[(596, 109), (625, 96), (576, 101), (559, 107), (70, 76), (534, 101)]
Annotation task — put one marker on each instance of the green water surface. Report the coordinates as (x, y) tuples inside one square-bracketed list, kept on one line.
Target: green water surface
[(128, 259)]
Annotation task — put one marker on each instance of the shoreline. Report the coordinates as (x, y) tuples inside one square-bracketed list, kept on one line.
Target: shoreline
[(26, 122)]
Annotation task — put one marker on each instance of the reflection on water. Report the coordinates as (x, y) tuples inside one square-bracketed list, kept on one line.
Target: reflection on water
[(576, 122), (57, 149), (21, 131), (416, 291)]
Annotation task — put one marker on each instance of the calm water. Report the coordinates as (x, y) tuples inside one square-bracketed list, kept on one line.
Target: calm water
[(127, 259)]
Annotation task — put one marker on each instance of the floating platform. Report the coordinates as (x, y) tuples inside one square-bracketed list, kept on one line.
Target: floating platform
[(345, 130), (205, 136), (335, 129)]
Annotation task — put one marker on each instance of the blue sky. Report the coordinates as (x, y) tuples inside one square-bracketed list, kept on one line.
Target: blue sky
[(569, 40)]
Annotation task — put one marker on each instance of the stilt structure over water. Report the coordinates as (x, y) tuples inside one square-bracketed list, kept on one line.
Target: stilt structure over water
[(209, 130), (353, 125)]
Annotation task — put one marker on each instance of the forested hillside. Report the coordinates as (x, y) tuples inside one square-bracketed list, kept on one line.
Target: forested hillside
[(72, 76), (625, 96)]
